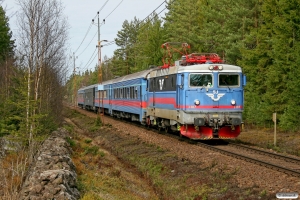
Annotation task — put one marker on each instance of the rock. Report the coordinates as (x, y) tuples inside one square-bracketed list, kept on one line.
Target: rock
[(52, 175)]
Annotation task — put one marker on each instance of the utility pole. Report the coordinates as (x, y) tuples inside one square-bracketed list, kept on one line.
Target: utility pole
[(99, 67), (74, 86)]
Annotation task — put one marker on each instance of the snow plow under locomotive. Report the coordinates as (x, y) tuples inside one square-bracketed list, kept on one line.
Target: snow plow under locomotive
[(199, 96)]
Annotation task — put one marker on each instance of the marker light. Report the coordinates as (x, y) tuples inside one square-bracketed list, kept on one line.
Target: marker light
[(215, 67), (197, 102), (233, 102)]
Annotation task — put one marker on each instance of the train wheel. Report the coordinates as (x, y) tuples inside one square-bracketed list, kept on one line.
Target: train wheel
[(159, 128)]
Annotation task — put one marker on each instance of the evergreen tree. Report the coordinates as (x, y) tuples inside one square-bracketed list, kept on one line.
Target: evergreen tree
[(123, 60), (183, 23), (6, 42), (282, 95), (148, 47)]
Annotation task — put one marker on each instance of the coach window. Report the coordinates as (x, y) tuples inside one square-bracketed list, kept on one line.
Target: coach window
[(200, 80), (127, 91), (135, 93)]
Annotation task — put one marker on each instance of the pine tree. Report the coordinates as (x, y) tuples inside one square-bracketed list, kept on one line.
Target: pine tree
[(123, 60), (147, 50), (282, 95), (183, 23), (6, 42)]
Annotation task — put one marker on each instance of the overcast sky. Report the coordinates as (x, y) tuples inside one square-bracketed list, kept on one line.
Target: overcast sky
[(80, 14)]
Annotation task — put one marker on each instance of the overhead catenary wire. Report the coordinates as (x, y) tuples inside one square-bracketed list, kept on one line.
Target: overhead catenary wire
[(152, 13)]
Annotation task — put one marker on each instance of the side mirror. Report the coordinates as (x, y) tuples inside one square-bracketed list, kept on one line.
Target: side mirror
[(180, 80)]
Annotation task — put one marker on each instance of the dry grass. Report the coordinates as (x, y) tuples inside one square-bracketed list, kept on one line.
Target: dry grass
[(12, 171), (102, 176), (286, 142)]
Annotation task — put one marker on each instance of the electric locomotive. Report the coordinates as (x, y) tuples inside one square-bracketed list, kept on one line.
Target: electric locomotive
[(199, 96)]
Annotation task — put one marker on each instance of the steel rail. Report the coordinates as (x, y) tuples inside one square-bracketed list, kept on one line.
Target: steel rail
[(252, 160), (260, 151)]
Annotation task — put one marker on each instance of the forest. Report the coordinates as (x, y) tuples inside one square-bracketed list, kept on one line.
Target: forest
[(263, 37)]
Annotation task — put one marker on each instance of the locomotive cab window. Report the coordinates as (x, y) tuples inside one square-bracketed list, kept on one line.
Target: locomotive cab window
[(200, 80), (229, 80)]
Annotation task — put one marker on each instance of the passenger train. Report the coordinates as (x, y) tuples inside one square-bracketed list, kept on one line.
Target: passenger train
[(199, 96)]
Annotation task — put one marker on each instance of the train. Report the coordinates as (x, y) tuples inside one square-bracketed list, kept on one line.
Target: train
[(199, 96)]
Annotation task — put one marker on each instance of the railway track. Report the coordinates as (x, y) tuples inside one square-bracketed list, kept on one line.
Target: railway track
[(264, 152), (285, 164)]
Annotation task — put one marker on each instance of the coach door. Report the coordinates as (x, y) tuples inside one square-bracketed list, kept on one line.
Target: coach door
[(179, 90), (151, 93), (110, 99)]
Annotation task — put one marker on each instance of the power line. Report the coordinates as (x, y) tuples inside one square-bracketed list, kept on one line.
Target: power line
[(113, 42), (88, 44), (113, 10), (101, 8), (102, 24), (89, 30), (88, 63), (84, 37)]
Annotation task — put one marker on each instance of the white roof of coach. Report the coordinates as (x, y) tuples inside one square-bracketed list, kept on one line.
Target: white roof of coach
[(132, 76)]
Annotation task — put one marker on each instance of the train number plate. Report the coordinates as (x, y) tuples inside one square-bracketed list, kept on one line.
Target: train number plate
[(215, 115)]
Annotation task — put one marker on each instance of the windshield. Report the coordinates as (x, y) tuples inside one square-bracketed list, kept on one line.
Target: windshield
[(200, 80), (228, 80)]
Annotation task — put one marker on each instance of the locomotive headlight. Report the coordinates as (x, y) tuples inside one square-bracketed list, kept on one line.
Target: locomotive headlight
[(197, 102), (233, 102), (211, 67), (220, 67)]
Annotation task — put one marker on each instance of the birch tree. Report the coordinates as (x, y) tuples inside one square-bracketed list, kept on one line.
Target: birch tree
[(42, 41)]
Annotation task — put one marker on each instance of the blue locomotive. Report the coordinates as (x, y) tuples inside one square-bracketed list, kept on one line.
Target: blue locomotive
[(199, 96)]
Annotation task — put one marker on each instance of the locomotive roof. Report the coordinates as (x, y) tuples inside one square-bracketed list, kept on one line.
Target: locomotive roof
[(205, 68)]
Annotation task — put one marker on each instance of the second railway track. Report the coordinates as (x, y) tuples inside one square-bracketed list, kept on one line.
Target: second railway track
[(286, 164)]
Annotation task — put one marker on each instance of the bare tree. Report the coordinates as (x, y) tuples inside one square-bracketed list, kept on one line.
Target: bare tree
[(42, 41)]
